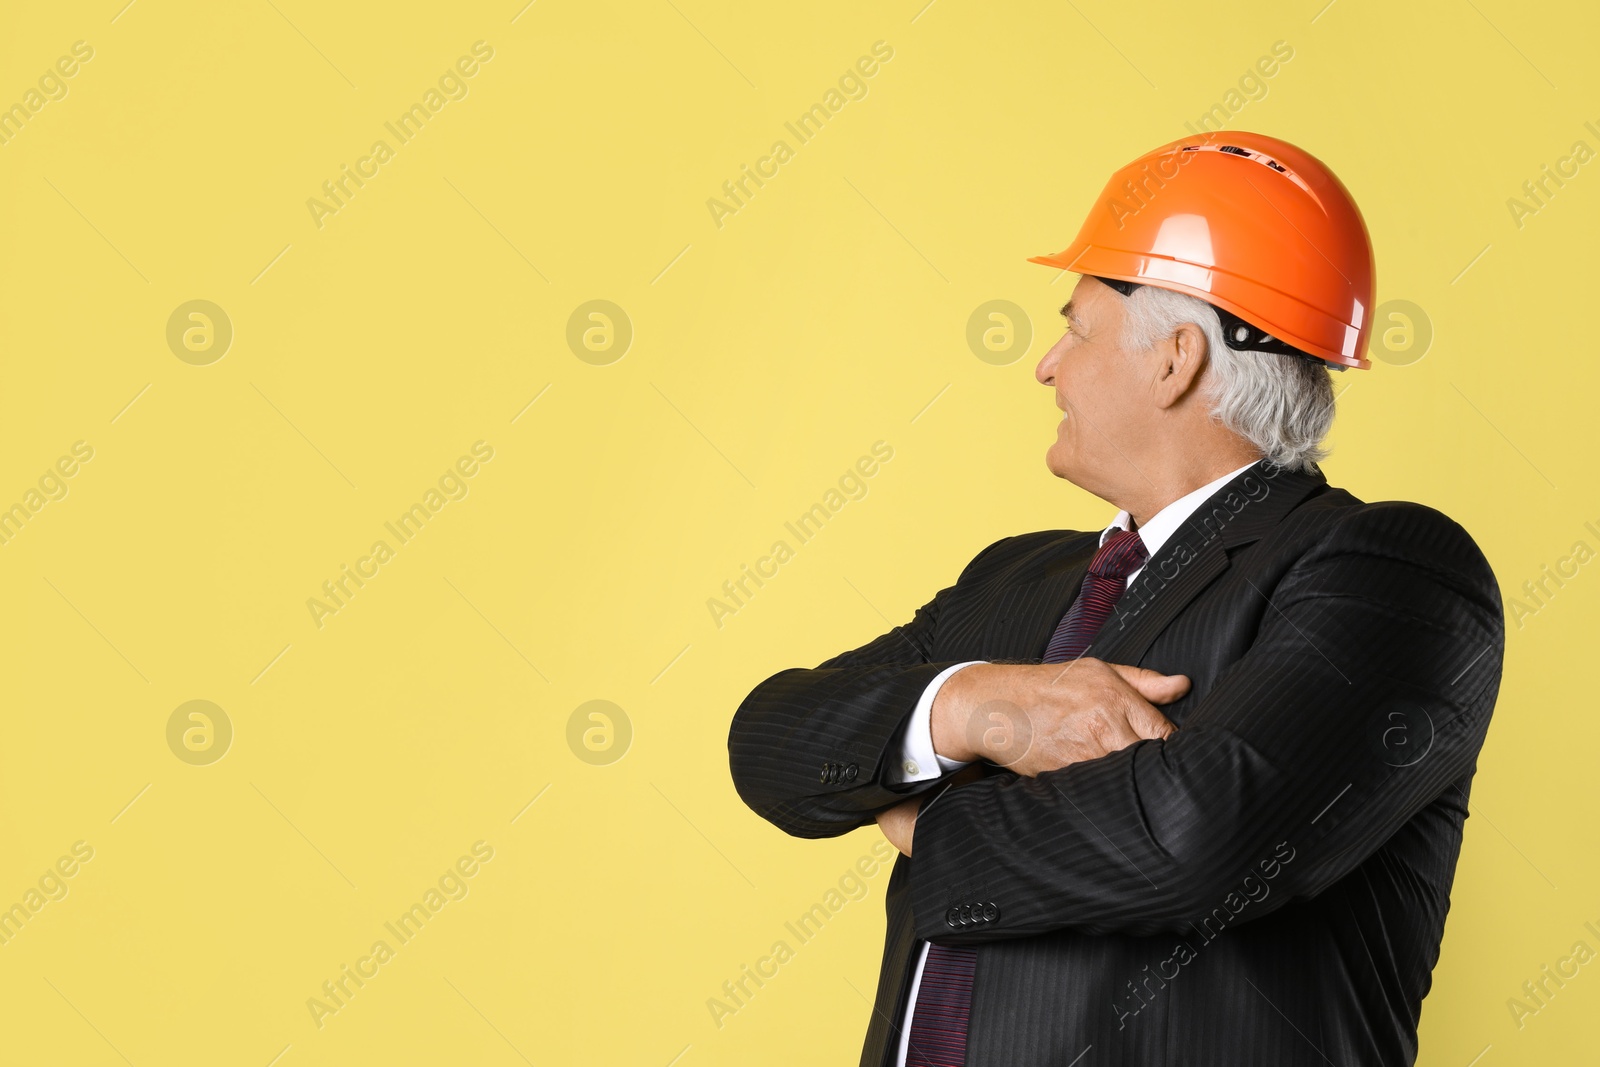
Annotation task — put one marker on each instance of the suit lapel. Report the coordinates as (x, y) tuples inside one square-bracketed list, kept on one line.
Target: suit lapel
[(1238, 514), (1029, 611)]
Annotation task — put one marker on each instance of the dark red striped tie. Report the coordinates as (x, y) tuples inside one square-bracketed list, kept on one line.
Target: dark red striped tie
[(944, 999), (1121, 555)]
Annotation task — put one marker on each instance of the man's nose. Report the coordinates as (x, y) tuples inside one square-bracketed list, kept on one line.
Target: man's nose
[(1045, 372)]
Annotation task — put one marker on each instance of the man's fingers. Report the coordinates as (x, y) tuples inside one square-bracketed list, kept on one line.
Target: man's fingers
[(1146, 721), (1153, 686), (1116, 732)]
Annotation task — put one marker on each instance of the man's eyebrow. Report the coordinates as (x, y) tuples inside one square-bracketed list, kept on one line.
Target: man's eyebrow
[(1069, 311)]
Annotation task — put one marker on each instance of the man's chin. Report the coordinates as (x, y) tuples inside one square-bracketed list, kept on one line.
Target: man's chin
[(1057, 464)]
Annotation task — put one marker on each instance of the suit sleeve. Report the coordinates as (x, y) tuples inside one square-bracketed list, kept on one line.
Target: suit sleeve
[(1367, 691), (810, 749)]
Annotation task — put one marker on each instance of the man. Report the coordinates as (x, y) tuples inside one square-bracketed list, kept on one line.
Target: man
[(1189, 789)]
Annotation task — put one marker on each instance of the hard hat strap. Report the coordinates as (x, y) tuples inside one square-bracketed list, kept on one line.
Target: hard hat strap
[(1241, 336), (1125, 288), (1237, 334)]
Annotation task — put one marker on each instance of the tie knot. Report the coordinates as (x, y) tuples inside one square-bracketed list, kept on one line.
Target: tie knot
[(1121, 555)]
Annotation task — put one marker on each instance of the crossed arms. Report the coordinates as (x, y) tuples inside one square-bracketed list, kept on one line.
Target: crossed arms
[(1365, 694)]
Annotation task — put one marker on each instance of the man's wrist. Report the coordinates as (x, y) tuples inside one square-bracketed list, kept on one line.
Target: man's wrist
[(912, 757), (952, 715)]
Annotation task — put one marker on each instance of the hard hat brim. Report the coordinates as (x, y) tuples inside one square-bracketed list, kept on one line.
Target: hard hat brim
[(1196, 281)]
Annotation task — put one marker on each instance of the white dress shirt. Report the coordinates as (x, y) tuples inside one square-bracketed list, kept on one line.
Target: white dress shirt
[(919, 762)]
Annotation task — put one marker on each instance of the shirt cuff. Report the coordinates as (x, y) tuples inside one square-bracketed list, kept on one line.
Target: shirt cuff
[(916, 761)]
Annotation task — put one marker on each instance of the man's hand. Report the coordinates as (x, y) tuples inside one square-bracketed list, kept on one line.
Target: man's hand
[(899, 823), (1036, 717)]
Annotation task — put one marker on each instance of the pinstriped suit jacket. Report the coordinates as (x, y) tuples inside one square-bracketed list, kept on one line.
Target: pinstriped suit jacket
[(1269, 884)]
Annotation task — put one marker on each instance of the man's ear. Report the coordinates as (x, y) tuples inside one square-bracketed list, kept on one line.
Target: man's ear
[(1184, 357)]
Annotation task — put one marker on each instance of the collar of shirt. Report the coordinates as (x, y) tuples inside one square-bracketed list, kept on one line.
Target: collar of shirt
[(1164, 523)]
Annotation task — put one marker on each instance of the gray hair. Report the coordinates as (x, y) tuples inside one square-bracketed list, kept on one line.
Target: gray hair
[(1283, 405)]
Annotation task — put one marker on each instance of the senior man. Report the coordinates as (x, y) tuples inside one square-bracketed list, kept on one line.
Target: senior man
[(1189, 789)]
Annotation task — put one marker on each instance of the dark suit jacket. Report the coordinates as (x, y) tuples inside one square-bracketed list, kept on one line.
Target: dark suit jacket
[(1266, 886)]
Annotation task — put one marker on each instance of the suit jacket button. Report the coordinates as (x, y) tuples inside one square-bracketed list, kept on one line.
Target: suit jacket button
[(952, 917), (850, 773)]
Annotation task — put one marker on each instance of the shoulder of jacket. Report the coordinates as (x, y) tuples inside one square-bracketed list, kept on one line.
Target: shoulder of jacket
[(1018, 548), (1402, 519), (1335, 512), (1408, 532)]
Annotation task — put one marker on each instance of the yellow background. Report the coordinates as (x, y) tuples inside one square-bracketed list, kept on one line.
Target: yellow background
[(767, 355)]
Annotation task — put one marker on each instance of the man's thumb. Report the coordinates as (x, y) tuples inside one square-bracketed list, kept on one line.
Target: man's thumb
[(1154, 686)]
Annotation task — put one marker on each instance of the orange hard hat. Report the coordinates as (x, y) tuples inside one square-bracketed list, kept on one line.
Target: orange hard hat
[(1251, 225)]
